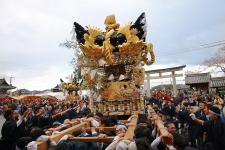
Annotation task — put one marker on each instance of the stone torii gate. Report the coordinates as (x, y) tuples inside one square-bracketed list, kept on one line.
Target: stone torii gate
[(160, 72)]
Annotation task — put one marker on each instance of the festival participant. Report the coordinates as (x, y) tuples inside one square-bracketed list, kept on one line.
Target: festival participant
[(67, 143), (83, 110), (171, 128), (71, 113), (159, 144), (193, 127), (180, 143), (11, 129), (142, 138), (182, 116), (105, 122), (199, 130), (222, 115), (206, 112), (48, 113), (95, 120), (40, 120), (218, 100), (22, 143), (120, 133), (37, 134), (215, 129), (169, 110)]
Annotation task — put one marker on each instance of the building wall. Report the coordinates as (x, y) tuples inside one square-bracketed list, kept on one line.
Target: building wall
[(3, 92), (200, 86)]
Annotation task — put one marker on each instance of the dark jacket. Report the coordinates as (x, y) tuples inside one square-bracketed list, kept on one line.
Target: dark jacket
[(10, 134), (169, 110), (215, 133), (200, 129), (182, 115), (75, 145)]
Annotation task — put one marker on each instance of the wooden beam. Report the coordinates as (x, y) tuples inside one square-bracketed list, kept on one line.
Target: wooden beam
[(57, 137), (49, 131), (129, 134), (166, 70), (165, 76), (130, 131), (162, 129)]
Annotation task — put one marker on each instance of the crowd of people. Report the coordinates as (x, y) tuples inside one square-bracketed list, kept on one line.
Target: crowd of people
[(22, 117), (193, 122), (200, 118)]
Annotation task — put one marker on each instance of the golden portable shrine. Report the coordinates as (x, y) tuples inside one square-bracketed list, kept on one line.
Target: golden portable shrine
[(72, 87), (112, 63)]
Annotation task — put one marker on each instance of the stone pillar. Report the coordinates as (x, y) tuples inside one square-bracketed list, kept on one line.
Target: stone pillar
[(148, 85), (174, 84)]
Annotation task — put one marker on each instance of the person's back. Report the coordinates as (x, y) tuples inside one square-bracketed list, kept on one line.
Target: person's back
[(222, 115), (180, 143), (198, 128), (142, 139), (215, 128), (182, 115), (216, 134), (9, 130)]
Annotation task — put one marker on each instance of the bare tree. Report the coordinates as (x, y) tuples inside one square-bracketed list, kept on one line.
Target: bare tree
[(72, 44), (218, 59), (195, 70)]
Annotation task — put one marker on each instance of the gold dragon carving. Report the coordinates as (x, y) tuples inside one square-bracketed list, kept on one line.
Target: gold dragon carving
[(125, 40)]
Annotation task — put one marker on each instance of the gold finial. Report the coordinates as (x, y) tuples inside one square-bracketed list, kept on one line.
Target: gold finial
[(110, 23)]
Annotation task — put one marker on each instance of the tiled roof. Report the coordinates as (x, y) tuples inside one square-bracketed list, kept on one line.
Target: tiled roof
[(217, 82), (5, 85), (197, 78), (3, 82)]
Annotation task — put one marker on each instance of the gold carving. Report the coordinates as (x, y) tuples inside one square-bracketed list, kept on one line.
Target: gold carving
[(134, 48)]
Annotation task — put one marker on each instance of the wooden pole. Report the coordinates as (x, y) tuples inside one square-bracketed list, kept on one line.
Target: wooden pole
[(131, 126), (166, 136), (57, 137)]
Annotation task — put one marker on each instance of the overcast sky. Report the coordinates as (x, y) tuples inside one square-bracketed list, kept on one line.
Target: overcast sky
[(31, 30)]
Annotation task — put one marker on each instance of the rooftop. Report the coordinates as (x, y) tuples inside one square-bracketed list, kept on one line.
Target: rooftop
[(217, 82), (197, 78), (5, 85)]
